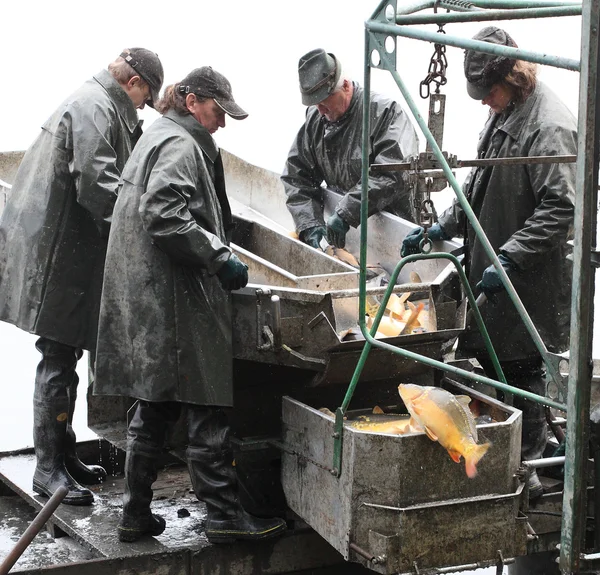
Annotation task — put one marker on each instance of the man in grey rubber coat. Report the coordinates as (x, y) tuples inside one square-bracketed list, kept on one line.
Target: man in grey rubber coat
[(526, 212), (165, 335), (328, 148), (53, 236)]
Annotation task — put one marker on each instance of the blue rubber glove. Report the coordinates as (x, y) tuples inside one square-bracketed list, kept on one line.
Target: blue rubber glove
[(337, 229), (410, 244), (491, 283), (313, 236), (233, 274)]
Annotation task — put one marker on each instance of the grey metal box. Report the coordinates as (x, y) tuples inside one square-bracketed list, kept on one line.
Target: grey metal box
[(400, 498)]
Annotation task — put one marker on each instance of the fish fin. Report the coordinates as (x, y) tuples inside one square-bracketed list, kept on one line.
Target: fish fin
[(455, 455), (472, 458), (413, 425), (430, 434), (463, 399), (377, 410)]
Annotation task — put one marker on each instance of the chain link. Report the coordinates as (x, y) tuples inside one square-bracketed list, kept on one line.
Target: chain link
[(437, 69)]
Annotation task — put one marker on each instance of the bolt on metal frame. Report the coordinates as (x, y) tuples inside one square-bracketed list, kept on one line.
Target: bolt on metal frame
[(383, 27)]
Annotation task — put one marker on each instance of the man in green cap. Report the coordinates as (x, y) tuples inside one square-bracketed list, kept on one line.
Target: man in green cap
[(328, 149)]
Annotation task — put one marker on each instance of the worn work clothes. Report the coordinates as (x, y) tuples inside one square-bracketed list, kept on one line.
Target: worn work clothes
[(54, 228), (165, 321), (331, 152), (526, 212)]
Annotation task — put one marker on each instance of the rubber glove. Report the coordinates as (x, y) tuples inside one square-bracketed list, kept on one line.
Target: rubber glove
[(313, 236), (410, 244), (491, 283), (233, 274), (337, 229)]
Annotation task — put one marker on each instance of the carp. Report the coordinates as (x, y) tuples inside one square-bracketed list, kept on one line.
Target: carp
[(446, 418)]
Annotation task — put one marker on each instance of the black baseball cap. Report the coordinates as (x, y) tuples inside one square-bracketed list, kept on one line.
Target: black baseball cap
[(208, 83), (149, 67), (482, 70)]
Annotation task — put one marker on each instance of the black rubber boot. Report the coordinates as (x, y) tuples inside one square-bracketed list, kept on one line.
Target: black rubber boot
[(49, 432), (535, 429), (214, 479), (79, 471), (53, 380), (145, 439)]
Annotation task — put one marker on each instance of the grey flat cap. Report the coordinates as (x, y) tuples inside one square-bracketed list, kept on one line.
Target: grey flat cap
[(318, 72), (482, 71)]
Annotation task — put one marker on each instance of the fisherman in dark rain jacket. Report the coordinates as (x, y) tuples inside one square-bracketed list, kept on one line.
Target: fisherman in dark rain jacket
[(526, 212), (328, 148), (165, 320), (53, 236)]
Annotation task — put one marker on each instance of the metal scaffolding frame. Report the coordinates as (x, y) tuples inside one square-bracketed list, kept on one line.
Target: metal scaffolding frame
[(381, 30)]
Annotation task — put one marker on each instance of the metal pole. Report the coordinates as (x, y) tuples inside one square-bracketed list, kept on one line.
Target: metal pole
[(469, 44), (487, 15), (33, 529), (582, 306)]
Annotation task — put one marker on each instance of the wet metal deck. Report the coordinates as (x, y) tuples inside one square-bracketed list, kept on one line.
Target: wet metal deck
[(181, 549)]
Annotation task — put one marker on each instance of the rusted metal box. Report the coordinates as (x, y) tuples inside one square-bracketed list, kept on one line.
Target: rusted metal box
[(400, 500)]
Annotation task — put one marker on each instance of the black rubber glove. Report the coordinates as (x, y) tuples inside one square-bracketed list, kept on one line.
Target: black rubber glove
[(337, 228), (313, 236), (233, 274), (491, 283), (410, 244)]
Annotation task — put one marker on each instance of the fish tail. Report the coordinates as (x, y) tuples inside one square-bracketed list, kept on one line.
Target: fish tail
[(473, 457)]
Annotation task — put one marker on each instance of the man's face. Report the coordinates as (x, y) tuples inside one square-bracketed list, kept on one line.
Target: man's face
[(139, 92), (498, 99), (209, 114), (335, 105)]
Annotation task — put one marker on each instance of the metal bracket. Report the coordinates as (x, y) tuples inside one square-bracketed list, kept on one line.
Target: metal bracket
[(382, 47), (268, 337)]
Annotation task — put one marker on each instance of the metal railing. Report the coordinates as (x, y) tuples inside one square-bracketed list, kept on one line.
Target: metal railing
[(387, 22)]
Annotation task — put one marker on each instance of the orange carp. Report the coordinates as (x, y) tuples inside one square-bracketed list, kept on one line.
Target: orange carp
[(445, 418)]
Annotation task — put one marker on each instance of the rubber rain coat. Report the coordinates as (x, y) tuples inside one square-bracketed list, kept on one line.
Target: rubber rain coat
[(165, 322), (54, 228), (527, 214), (331, 152)]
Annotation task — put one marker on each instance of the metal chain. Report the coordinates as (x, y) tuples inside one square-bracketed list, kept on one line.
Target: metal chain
[(437, 69)]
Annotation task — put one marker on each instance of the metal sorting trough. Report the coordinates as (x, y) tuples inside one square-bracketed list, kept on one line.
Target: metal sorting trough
[(317, 295), (401, 504)]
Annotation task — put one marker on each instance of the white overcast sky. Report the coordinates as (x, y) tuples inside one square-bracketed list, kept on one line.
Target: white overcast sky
[(49, 48)]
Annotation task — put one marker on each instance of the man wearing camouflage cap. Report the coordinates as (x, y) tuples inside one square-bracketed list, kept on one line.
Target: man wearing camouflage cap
[(526, 212), (328, 149), (53, 237)]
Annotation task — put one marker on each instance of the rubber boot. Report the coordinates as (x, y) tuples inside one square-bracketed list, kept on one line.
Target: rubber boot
[(54, 376), (210, 463), (535, 429), (82, 473), (49, 433), (145, 439)]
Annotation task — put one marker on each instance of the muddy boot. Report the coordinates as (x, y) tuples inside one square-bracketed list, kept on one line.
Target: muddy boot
[(49, 433), (214, 480), (145, 438), (79, 471)]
